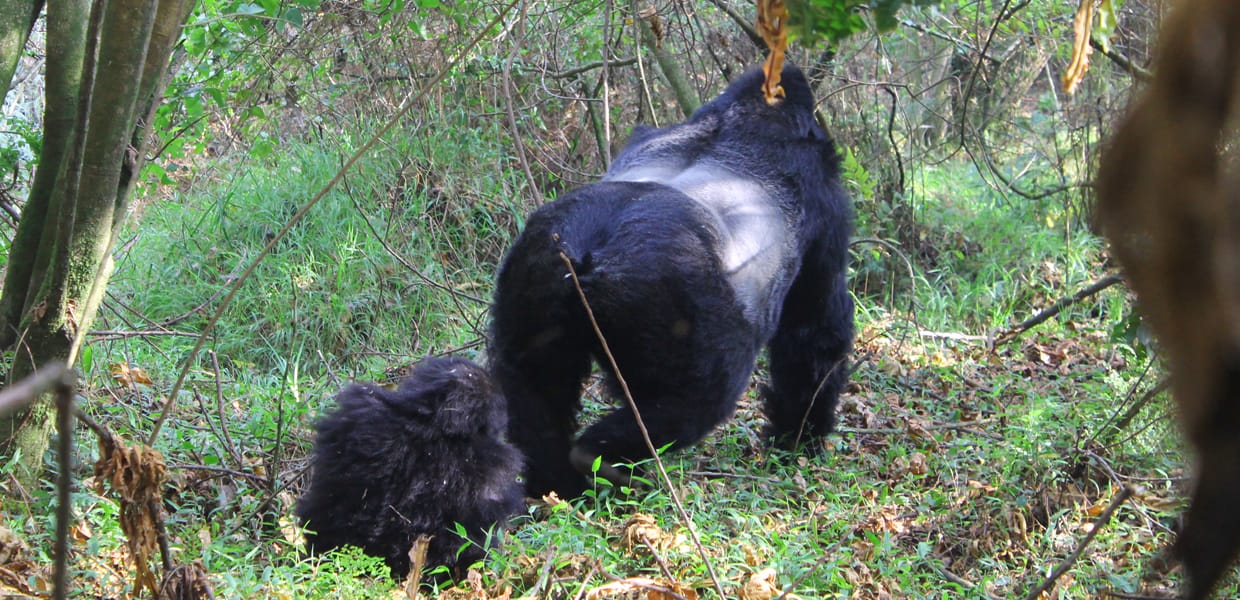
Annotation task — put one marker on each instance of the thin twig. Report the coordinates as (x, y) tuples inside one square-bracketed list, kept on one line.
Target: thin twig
[(641, 426), (955, 42), (595, 567), (452, 292), (658, 558), (926, 427), (1054, 309), (1099, 523), (605, 79), (654, 588), (99, 430), (646, 96), (259, 479), (277, 444), (951, 335), (1118, 479), (64, 478), (745, 23), (221, 414), (796, 440), (113, 334), (509, 106), (1136, 407), (1127, 596), (575, 71), (28, 390), (1138, 72), (912, 279), (722, 475), (962, 582), (976, 71), (544, 574), (1107, 430), (891, 136)]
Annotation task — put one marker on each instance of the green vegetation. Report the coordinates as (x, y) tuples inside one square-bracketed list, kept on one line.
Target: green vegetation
[(963, 470), (987, 465)]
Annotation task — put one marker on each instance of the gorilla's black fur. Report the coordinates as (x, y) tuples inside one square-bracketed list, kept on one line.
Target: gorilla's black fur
[(705, 242), (392, 464)]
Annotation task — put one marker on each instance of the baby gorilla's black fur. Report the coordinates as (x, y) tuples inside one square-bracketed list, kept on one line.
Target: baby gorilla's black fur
[(392, 464)]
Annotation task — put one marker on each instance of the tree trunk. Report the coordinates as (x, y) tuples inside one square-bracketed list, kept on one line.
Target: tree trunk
[(66, 25), (16, 19), (686, 97), (61, 256)]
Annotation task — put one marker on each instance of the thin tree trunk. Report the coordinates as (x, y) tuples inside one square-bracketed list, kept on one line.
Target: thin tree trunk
[(44, 219), (16, 19), (165, 32), (66, 26), (78, 202), (110, 127), (686, 97)]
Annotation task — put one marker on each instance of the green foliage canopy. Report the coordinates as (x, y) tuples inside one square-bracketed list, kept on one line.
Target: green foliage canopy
[(812, 21)]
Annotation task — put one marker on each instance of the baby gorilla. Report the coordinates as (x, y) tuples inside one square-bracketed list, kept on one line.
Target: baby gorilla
[(390, 465)]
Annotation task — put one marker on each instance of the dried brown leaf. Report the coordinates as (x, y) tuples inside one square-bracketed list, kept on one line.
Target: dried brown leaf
[(128, 375), (1082, 25), (186, 582), (417, 561), (772, 24), (137, 474), (763, 585), (640, 529), (637, 587)]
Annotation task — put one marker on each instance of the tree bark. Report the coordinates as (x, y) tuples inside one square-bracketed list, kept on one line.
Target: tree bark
[(24, 433), (66, 24), (16, 19), (61, 257), (110, 126), (686, 96)]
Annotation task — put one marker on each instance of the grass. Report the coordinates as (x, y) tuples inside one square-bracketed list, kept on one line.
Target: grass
[(959, 471)]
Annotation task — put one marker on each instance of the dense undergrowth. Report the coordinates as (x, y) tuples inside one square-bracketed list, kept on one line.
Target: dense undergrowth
[(965, 468), (960, 470)]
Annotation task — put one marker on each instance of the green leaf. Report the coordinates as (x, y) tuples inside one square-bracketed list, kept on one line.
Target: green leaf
[(193, 107), (812, 21), (217, 96), (294, 17), (262, 148), (1107, 19), (195, 40), (249, 8), (87, 359)]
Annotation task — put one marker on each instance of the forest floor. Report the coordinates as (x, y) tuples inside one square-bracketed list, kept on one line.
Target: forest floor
[(975, 457)]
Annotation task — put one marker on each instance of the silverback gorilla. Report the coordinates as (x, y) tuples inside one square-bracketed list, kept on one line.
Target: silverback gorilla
[(704, 242)]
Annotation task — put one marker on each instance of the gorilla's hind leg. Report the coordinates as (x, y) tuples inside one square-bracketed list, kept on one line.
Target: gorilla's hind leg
[(684, 386), (540, 356), (809, 361)]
